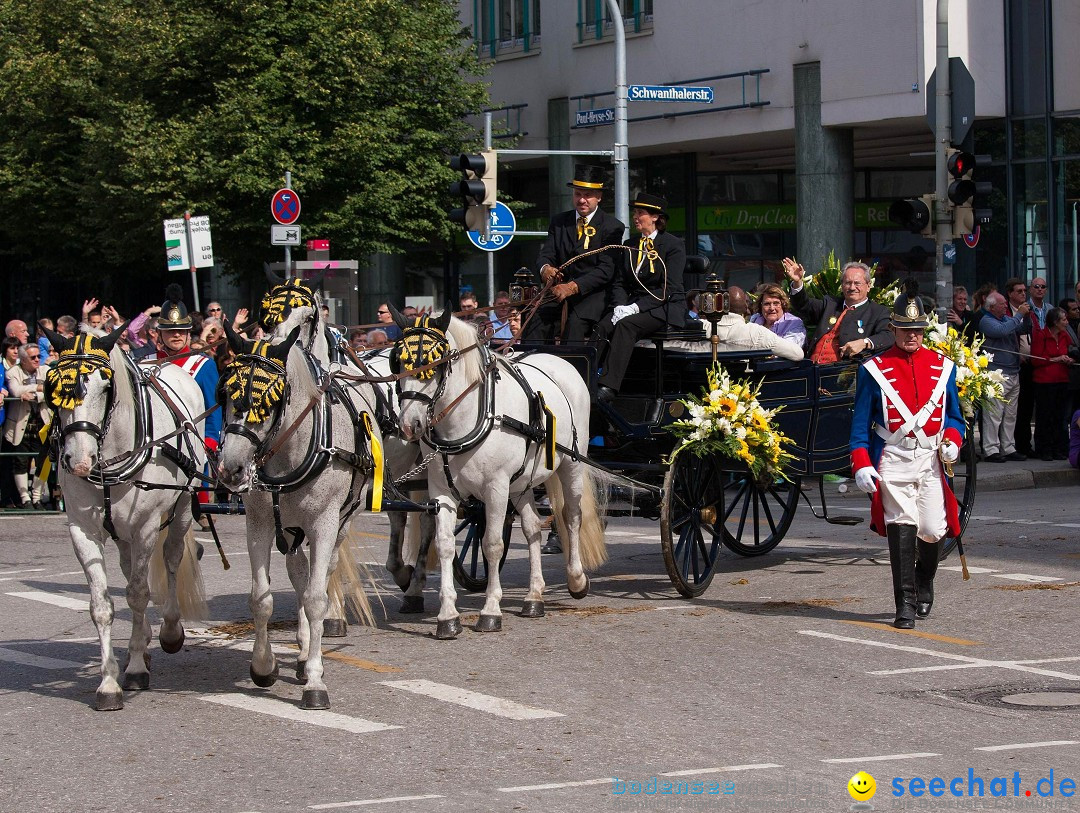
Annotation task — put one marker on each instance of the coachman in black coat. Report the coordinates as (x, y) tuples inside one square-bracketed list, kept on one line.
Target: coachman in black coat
[(582, 286)]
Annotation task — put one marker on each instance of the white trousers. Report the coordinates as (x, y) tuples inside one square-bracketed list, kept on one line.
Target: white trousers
[(999, 420), (911, 490)]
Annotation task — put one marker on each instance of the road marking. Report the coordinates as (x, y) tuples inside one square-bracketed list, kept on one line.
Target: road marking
[(758, 767), (37, 661), (27, 570), (473, 700), (56, 601), (883, 758), (363, 802), (281, 709), (556, 785), (973, 570), (1024, 577), (1018, 745), (969, 661), (932, 636)]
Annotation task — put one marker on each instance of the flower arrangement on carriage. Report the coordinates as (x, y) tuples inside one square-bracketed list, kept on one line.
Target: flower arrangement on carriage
[(976, 382), (827, 281), (729, 421)]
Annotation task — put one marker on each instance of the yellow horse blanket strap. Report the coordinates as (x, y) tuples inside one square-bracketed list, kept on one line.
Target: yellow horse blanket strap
[(377, 458), (549, 432), (44, 461)]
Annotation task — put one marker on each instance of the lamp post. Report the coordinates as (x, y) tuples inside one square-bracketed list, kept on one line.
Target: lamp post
[(714, 306), (621, 158)]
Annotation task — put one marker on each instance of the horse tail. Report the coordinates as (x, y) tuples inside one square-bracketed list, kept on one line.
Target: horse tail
[(591, 545), (190, 591), (346, 585)]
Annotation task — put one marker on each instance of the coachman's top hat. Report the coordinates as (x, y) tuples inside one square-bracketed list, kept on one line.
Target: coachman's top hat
[(588, 176), (908, 310), (174, 315), (652, 203)]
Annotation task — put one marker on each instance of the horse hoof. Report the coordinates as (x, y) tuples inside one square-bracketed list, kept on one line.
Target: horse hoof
[(136, 681), (412, 605), (582, 593), (447, 630), (403, 577), (301, 670), (532, 609), (489, 623), (315, 700), (110, 701), (174, 645), (334, 628), (264, 681)]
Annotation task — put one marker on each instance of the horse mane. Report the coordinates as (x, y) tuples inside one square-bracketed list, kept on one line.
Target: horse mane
[(123, 391), (464, 335), (299, 374)]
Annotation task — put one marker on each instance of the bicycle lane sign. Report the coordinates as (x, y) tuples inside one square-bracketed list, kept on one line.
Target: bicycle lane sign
[(501, 230)]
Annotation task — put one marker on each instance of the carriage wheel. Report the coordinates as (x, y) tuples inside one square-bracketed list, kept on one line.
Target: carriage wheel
[(757, 516), (470, 564), (693, 500), (965, 497)]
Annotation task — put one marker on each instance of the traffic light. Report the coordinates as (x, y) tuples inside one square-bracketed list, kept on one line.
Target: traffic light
[(914, 214), (963, 189), (477, 188)]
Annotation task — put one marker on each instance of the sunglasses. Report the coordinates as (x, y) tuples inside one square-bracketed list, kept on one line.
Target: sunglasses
[(1038, 286), (383, 312), (213, 310), (34, 357)]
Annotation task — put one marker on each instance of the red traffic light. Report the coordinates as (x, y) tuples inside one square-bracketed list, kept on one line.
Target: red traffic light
[(961, 163)]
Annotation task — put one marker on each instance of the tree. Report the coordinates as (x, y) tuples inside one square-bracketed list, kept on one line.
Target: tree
[(116, 115)]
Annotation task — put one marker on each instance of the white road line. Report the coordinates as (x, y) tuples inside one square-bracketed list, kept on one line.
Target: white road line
[(1014, 665), (56, 601), (37, 661), (279, 708), (960, 569), (27, 570), (1024, 577), (364, 802), (556, 785), (473, 700), (1017, 745), (621, 533), (882, 758), (758, 767)]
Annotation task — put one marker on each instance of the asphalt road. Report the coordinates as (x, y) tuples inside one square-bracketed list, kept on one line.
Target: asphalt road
[(769, 692)]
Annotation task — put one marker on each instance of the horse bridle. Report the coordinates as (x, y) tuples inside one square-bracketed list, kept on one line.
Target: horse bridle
[(96, 363), (275, 368), (405, 357), (291, 294)]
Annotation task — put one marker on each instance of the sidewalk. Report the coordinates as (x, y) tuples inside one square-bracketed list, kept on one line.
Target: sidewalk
[(1011, 476)]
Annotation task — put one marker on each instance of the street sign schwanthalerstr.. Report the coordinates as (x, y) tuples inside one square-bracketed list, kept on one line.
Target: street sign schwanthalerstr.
[(669, 93), (176, 250)]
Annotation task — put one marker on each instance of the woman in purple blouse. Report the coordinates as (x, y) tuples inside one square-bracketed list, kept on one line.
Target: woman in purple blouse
[(773, 311)]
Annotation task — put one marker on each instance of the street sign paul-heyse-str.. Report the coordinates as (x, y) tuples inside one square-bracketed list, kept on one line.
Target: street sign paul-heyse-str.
[(285, 207), (176, 249), (669, 93), (597, 117), (501, 228)]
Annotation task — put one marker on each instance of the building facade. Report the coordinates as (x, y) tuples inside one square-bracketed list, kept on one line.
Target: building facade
[(818, 122)]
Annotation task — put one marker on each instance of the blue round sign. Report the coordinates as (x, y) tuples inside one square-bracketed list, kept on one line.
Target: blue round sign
[(501, 229)]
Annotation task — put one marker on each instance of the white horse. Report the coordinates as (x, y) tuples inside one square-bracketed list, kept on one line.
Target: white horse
[(111, 413), (306, 446), (462, 401)]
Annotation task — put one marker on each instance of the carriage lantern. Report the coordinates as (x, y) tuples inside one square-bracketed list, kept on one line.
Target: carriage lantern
[(523, 288), (714, 305)]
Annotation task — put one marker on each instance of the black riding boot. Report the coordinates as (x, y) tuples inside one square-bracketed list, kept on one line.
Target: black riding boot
[(902, 559), (925, 569)]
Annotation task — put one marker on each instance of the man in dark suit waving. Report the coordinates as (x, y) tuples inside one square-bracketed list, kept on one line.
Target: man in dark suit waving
[(582, 287), (848, 326)]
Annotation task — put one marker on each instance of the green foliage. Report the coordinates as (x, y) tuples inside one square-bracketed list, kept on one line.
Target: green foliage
[(827, 281), (117, 115)]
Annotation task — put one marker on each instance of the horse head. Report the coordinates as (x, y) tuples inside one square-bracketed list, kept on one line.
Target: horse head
[(291, 302), (252, 392), (79, 387), (428, 340)]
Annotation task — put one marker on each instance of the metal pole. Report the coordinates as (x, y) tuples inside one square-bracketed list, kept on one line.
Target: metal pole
[(487, 221), (288, 249), (191, 258), (942, 213), (621, 158)]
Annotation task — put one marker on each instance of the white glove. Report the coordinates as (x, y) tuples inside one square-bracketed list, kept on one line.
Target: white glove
[(949, 452), (865, 477), (622, 311)]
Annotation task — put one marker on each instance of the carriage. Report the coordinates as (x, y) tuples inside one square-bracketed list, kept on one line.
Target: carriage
[(704, 504)]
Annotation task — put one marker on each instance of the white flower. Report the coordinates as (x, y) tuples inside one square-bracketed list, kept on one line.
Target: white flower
[(740, 432)]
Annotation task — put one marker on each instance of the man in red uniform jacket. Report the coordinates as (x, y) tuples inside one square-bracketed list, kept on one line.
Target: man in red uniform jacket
[(907, 423)]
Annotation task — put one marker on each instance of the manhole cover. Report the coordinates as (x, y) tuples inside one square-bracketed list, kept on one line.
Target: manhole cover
[(1059, 699)]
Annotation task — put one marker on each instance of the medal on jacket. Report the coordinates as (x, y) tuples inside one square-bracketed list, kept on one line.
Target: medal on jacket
[(860, 327), (588, 231), (832, 320)]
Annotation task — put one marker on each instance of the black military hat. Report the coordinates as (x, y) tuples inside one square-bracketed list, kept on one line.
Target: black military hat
[(174, 315), (652, 203), (908, 310), (588, 176)]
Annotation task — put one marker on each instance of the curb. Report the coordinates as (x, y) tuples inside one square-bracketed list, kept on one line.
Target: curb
[(990, 478)]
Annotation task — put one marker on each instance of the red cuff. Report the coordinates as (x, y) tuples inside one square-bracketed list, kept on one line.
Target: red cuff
[(860, 458), (954, 436), (212, 444)]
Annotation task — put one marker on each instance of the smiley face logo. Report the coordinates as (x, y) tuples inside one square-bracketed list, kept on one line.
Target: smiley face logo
[(862, 787)]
